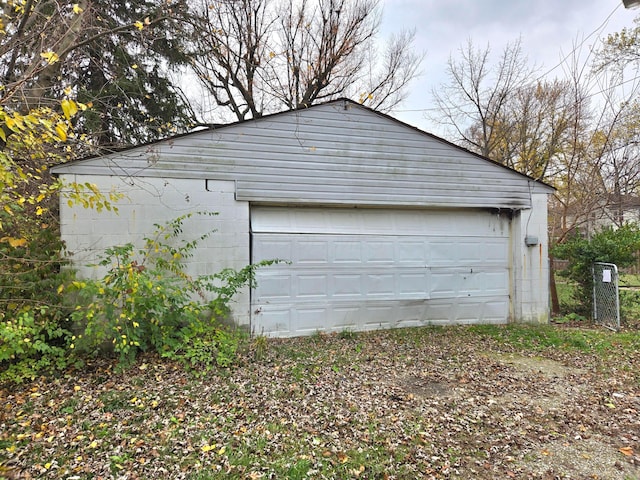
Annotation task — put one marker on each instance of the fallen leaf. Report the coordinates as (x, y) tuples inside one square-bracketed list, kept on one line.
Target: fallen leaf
[(50, 57), (628, 451), (358, 472)]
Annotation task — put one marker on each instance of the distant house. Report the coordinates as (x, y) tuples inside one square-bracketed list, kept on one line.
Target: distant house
[(617, 210), (602, 211), (382, 224)]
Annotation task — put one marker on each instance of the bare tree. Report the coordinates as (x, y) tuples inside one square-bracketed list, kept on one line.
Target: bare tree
[(533, 127), (617, 66), (616, 143), (548, 129), (473, 103), (259, 56), (230, 47), (620, 49)]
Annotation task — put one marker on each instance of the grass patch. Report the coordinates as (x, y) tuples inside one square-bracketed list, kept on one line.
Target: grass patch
[(629, 280), (630, 308), (542, 337), (568, 298)]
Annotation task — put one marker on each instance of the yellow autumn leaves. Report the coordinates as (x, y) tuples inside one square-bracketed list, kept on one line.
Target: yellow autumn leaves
[(208, 448), (69, 108), (140, 25), (50, 57), (30, 132), (40, 125)]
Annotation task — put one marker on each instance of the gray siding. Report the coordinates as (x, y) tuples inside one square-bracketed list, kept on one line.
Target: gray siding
[(336, 153)]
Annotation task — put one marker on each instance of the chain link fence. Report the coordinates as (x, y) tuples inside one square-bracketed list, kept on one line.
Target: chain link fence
[(606, 299)]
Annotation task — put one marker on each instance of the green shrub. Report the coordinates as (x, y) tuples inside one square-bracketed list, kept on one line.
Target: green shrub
[(570, 318), (31, 343), (34, 333), (609, 245), (147, 301), (630, 307)]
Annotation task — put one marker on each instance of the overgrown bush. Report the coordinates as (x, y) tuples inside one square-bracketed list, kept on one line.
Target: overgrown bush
[(32, 343), (34, 324), (147, 301), (630, 307), (610, 245)]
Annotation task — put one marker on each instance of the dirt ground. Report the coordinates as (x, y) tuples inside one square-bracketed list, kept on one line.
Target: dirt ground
[(536, 394), (431, 403)]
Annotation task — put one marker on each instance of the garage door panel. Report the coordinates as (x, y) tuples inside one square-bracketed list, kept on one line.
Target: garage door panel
[(310, 286), (347, 251), (412, 251), (274, 286), (413, 285), (377, 316), (495, 252), (380, 285), (479, 251), (273, 247), (339, 249), (293, 319), (346, 285), (273, 321), (378, 251), (311, 251), (459, 284), (469, 252), (378, 221), (446, 311), (489, 311), (495, 283), (346, 317), (372, 277), (310, 319)]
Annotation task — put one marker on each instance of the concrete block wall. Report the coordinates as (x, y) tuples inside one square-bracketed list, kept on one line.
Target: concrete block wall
[(148, 201), (531, 262)]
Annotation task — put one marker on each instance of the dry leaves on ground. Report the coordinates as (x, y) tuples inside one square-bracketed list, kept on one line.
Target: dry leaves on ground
[(416, 403)]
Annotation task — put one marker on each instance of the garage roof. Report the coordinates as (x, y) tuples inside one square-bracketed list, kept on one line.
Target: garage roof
[(337, 153)]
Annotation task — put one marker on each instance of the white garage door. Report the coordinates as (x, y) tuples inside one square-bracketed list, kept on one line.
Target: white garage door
[(363, 269)]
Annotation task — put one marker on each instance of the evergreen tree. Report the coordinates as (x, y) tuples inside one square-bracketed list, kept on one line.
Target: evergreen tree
[(113, 56)]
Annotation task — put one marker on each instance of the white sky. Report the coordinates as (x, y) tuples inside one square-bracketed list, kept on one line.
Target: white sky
[(549, 29)]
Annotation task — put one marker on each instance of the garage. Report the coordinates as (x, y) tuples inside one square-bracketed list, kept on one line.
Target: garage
[(363, 269), (378, 224)]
